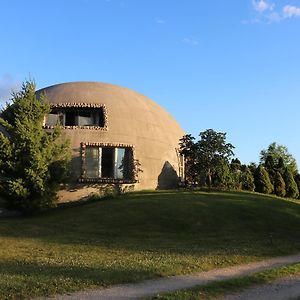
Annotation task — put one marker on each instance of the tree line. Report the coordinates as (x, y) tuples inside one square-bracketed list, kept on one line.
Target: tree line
[(209, 162)]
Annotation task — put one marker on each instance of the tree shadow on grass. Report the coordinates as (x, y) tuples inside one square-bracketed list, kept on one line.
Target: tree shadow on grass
[(93, 275), (24, 280), (192, 222)]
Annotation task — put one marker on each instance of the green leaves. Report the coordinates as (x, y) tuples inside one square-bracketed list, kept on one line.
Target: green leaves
[(28, 153)]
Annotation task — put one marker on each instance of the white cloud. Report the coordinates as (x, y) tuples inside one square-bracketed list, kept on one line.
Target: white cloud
[(8, 85), (290, 11), (267, 14), (274, 17), (262, 5), (190, 41), (160, 21)]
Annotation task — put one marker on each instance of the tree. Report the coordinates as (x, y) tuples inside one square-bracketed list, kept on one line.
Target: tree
[(247, 180), (279, 185), (33, 162), (212, 151), (276, 152), (297, 180), (262, 181), (290, 184), (222, 177), (236, 173), (188, 149)]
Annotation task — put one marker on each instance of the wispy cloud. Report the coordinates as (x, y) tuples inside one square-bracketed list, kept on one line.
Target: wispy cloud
[(262, 5), (190, 41), (265, 12), (290, 11), (8, 84), (160, 21)]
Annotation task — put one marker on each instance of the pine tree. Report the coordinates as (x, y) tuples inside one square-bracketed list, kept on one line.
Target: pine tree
[(279, 185), (297, 180), (290, 184), (262, 181), (247, 180), (33, 162)]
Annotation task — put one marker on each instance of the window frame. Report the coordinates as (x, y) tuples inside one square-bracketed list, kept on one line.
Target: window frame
[(85, 106), (84, 179)]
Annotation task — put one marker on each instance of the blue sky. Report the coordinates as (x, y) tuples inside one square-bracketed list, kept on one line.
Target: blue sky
[(233, 65)]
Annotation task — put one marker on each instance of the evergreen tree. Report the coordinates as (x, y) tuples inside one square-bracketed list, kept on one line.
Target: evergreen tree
[(236, 173), (262, 181), (290, 184), (279, 185), (247, 180), (222, 177), (270, 167), (33, 162), (297, 180)]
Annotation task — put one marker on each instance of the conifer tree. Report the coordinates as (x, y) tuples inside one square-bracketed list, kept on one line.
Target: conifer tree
[(297, 180), (279, 185), (290, 184), (262, 181), (247, 180), (33, 162)]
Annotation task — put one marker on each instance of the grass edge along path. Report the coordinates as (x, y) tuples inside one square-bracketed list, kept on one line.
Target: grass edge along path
[(232, 286), (173, 283)]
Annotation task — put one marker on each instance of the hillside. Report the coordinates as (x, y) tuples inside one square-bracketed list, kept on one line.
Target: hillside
[(142, 235)]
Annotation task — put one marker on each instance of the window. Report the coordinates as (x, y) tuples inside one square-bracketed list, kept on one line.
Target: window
[(76, 116), (108, 163)]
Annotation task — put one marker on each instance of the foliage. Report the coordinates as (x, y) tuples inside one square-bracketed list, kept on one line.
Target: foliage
[(212, 151), (290, 184), (188, 149), (262, 181), (279, 185), (222, 177), (235, 174), (247, 180), (276, 152), (297, 180), (32, 162)]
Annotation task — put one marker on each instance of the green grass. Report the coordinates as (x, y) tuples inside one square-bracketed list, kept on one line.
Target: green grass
[(217, 289), (141, 236)]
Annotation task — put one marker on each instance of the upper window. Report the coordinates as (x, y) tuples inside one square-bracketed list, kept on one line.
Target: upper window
[(82, 117)]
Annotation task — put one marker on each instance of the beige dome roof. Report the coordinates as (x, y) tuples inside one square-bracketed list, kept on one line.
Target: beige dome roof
[(132, 118)]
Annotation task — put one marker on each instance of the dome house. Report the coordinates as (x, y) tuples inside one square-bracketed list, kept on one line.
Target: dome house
[(112, 130)]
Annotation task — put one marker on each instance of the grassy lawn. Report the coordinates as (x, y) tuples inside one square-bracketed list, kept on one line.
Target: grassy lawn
[(141, 236), (215, 290)]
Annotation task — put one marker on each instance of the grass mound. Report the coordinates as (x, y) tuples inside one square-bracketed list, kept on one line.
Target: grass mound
[(140, 236)]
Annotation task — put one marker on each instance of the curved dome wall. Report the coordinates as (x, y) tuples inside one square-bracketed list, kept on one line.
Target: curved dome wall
[(131, 119)]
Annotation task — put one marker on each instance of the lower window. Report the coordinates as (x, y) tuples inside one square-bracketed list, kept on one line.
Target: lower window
[(108, 163)]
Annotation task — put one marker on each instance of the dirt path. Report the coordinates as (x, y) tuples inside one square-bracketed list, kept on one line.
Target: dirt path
[(168, 284), (283, 289)]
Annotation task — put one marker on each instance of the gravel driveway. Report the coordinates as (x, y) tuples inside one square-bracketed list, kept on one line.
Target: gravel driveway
[(173, 283), (283, 289)]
